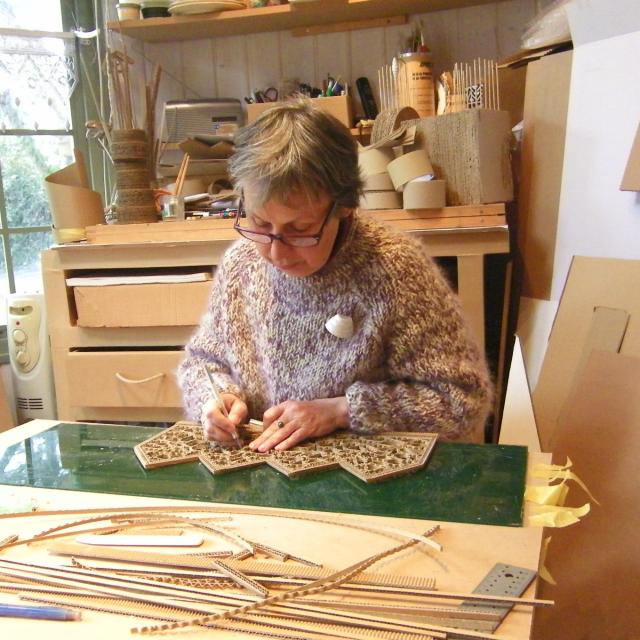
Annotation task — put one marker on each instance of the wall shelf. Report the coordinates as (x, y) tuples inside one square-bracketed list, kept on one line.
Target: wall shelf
[(276, 18)]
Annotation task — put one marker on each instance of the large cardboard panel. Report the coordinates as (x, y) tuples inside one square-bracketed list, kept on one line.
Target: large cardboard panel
[(596, 562), (518, 422), (543, 138), (579, 326), (142, 305)]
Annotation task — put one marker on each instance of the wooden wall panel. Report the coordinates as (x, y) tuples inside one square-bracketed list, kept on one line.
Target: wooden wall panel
[(263, 58), (198, 68), (297, 57), (232, 71)]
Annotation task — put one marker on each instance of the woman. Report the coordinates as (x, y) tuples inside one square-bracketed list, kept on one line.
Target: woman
[(407, 364)]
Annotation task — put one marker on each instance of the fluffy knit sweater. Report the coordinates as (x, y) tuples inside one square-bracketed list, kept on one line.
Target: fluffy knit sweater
[(409, 366)]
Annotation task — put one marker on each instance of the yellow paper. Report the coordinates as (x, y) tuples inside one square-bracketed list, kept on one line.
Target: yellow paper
[(558, 517), (551, 472), (554, 494), (543, 572)]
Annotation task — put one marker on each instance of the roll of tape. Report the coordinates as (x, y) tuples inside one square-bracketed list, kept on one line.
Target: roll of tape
[(375, 161), (424, 194), (409, 167), (381, 200), (65, 236), (378, 182)]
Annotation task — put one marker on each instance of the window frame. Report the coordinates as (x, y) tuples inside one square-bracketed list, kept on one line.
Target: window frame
[(76, 14)]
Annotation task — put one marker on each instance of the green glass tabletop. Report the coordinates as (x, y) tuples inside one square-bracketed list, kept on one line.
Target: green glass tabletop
[(481, 484)]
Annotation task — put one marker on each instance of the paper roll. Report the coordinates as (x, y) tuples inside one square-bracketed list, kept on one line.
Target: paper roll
[(375, 161), (378, 182), (73, 204), (424, 194), (381, 200), (409, 167)]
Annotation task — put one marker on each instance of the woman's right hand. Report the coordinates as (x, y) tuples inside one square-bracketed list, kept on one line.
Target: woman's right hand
[(216, 426)]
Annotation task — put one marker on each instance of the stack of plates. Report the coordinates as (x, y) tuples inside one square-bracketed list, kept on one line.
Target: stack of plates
[(188, 7)]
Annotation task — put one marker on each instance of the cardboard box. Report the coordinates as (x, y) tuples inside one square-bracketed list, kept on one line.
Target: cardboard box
[(142, 305), (338, 106), (471, 151)]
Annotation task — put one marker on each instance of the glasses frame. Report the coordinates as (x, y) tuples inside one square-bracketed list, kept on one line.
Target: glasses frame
[(263, 237)]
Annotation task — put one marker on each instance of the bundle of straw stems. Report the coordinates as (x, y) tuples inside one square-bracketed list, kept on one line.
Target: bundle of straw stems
[(182, 174), (150, 125), (122, 106)]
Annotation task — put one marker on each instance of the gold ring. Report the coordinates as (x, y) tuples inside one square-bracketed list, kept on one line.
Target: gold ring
[(279, 424)]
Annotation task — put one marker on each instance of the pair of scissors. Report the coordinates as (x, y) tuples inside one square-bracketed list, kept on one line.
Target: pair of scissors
[(270, 94)]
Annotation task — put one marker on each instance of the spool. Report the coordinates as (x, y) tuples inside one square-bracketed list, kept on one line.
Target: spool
[(375, 161), (378, 182), (381, 200), (409, 167), (418, 73), (424, 194)]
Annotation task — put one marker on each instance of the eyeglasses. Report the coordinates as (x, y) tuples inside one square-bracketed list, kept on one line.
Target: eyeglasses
[(292, 240)]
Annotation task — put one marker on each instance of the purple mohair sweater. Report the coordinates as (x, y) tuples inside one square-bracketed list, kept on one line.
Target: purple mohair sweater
[(410, 365)]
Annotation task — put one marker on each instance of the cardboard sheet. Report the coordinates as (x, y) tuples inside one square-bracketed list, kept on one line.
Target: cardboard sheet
[(73, 203), (596, 562), (545, 118), (592, 283)]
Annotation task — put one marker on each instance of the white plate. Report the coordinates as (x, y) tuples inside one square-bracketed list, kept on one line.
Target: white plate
[(203, 6)]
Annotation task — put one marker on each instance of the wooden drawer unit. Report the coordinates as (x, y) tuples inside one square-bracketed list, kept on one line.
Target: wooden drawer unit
[(116, 348), (124, 378)]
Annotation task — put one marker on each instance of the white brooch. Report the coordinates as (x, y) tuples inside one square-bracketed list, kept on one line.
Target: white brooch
[(340, 326)]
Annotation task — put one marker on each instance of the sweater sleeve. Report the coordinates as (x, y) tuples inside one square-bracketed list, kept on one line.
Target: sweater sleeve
[(207, 347), (437, 379)]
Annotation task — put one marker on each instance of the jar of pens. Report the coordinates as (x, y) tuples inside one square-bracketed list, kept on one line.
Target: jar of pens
[(173, 203), (416, 73)]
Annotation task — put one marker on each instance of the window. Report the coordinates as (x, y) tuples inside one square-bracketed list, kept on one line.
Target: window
[(39, 98)]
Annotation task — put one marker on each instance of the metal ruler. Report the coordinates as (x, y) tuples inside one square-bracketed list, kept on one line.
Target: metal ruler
[(502, 580)]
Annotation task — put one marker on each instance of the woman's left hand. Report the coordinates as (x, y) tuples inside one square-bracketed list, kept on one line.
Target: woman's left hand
[(293, 421)]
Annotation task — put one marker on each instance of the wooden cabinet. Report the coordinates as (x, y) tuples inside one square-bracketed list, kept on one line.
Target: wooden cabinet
[(122, 368)]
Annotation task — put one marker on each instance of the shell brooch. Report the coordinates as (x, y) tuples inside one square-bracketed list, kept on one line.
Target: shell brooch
[(340, 326)]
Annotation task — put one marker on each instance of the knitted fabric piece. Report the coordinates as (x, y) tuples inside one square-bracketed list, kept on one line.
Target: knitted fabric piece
[(410, 365)]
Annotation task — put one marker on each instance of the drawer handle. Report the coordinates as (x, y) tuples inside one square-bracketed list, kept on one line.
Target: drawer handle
[(130, 381)]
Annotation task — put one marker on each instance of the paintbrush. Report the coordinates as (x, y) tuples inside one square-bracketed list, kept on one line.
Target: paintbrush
[(220, 402)]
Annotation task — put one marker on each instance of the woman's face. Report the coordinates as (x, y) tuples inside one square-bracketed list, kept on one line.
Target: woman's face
[(298, 216)]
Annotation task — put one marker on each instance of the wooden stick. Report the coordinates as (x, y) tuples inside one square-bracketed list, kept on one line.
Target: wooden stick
[(182, 173)]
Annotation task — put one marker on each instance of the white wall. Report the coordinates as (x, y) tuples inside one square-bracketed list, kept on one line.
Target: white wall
[(595, 217)]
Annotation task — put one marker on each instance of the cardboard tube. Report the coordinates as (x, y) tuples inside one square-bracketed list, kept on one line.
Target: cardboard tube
[(381, 200), (375, 161), (424, 194), (378, 182), (409, 167)]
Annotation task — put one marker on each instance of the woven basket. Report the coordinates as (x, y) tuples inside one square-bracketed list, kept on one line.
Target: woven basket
[(126, 214), (135, 197), (132, 175), (128, 135)]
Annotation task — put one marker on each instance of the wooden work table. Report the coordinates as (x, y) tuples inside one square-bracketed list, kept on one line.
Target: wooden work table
[(469, 550), (135, 365)]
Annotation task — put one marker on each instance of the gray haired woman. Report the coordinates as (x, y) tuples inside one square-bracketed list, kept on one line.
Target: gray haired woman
[(320, 318)]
